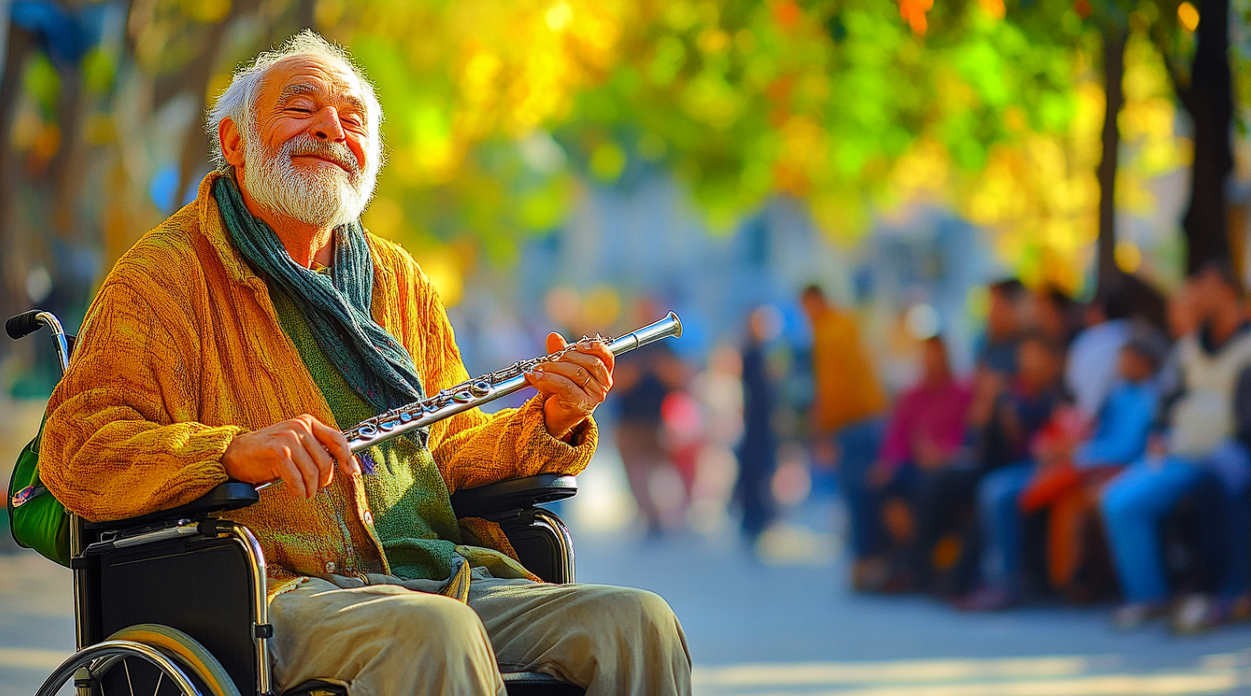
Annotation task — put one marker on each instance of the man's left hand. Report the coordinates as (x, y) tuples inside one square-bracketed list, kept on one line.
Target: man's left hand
[(573, 385)]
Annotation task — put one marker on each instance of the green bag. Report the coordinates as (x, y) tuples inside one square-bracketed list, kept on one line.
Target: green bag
[(37, 520)]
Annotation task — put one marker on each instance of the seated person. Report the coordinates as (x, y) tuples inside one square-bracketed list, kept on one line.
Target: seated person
[(1121, 428), (1090, 370), (1051, 312), (1066, 466), (1198, 448), (1002, 421), (996, 348), (1018, 415), (239, 336), (924, 434)]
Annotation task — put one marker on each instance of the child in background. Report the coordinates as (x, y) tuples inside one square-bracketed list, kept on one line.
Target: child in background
[(1018, 415), (1069, 481)]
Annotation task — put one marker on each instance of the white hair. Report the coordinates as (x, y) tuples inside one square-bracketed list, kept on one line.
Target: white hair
[(238, 101)]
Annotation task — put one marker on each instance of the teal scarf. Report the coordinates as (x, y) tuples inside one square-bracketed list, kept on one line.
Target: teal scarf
[(335, 306)]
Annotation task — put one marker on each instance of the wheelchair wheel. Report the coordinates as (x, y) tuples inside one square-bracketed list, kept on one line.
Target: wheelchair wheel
[(145, 659), (186, 650)]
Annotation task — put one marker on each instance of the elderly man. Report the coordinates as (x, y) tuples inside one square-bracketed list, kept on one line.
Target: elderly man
[(239, 336)]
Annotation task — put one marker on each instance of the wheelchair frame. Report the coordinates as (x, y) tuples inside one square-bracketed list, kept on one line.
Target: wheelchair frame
[(151, 545), (98, 615)]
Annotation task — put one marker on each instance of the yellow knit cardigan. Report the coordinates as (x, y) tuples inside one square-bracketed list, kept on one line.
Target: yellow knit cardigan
[(181, 351)]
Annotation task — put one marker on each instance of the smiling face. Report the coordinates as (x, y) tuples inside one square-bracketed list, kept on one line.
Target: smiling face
[(310, 151)]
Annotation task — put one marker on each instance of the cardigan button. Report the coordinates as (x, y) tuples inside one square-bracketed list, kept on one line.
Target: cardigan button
[(330, 566)]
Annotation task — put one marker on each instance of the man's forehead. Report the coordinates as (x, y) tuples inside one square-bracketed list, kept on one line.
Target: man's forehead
[(307, 74)]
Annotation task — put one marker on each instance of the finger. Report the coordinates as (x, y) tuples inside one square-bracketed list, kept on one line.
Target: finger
[(290, 474), (581, 378), (597, 349), (563, 388), (334, 441), (308, 471), (593, 365), (550, 382), (321, 459), (555, 342)]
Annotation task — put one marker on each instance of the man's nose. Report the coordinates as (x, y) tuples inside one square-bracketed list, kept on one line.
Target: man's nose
[(327, 126)]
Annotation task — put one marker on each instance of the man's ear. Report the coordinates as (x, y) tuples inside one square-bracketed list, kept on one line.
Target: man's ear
[(232, 142)]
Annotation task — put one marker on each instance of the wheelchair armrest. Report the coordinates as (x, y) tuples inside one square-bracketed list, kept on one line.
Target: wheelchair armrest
[(230, 495), (504, 497)]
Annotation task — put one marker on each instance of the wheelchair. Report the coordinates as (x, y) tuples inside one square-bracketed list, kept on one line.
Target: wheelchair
[(174, 602)]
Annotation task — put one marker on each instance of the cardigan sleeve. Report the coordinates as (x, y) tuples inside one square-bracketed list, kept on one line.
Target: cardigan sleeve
[(121, 438), (472, 448)]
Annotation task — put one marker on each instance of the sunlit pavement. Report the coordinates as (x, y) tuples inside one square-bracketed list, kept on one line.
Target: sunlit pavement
[(36, 621), (794, 629)]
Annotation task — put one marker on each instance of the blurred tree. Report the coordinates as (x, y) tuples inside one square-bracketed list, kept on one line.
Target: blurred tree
[(1206, 91), (500, 110)]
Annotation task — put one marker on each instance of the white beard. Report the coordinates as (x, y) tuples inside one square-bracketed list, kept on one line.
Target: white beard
[(325, 196)]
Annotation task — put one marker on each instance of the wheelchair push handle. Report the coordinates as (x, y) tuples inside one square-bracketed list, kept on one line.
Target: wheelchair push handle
[(29, 322), (22, 325)]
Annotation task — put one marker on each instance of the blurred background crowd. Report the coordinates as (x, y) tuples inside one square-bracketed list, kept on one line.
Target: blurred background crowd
[(974, 269), (1096, 450)]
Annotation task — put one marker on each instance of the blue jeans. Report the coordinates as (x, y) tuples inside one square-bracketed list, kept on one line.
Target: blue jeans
[(1137, 501), (859, 443), (1224, 507), (1133, 506), (999, 514)]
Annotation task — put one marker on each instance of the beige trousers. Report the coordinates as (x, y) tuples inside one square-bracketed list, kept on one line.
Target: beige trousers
[(388, 640)]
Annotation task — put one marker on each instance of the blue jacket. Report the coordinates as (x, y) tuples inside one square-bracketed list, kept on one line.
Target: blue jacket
[(1123, 426)]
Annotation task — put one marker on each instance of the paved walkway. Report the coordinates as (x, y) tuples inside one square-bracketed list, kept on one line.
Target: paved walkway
[(795, 629)]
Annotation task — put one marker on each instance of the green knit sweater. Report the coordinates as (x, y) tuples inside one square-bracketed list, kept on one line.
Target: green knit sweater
[(408, 498)]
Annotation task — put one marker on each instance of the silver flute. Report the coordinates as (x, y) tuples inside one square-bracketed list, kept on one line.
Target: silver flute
[(489, 387)]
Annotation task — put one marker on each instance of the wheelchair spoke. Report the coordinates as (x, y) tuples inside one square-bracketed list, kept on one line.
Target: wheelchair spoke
[(101, 676), (126, 666)]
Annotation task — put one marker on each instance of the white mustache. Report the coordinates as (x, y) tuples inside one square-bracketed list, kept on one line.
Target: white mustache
[(338, 153), (308, 194)]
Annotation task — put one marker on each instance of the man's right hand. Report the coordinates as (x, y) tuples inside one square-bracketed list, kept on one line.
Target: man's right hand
[(301, 451)]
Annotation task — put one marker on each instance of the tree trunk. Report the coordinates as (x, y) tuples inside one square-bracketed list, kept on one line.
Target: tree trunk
[(1210, 101), (1114, 38), (12, 257), (195, 145)]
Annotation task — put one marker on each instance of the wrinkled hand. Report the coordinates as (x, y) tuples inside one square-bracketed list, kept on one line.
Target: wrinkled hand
[(301, 451), (573, 385)]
